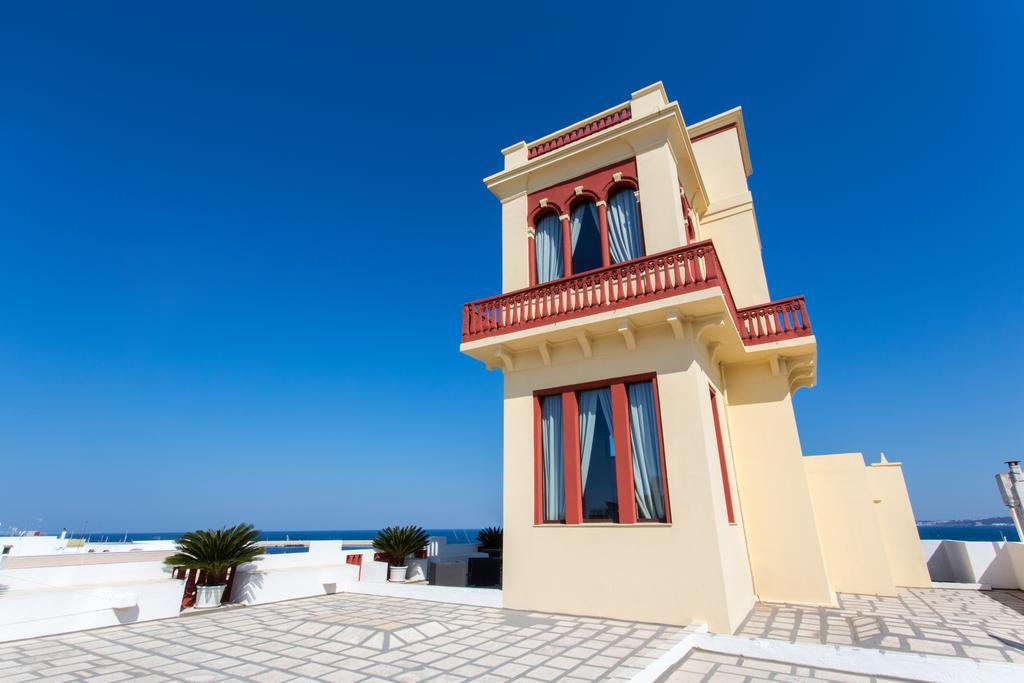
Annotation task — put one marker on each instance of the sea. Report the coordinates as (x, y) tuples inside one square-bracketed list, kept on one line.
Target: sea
[(953, 532), (968, 532)]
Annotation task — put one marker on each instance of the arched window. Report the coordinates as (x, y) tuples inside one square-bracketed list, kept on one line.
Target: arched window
[(625, 241), (585, 231), (549, 249)]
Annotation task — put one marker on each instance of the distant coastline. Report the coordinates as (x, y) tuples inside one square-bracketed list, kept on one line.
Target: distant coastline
[(987, 521), (988, 529), (467, 535)]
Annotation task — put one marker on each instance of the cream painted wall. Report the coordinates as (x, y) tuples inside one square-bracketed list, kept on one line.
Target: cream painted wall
[(692, 569), (734, 234), (515, 263), (720, 160), (735, 561), (661, 207), (849, 527), (897, 524), (730, 221), (786, 556)]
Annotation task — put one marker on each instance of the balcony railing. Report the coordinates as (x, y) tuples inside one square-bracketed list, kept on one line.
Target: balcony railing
[(677, 271)]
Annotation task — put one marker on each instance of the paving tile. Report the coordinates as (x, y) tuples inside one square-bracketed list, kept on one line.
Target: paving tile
[(350, 638)]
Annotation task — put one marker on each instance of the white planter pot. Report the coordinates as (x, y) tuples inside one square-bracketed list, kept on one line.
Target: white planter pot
[(398, 574), (209, 596)]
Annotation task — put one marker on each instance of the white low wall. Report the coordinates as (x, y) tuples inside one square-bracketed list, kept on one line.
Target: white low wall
[(44, 573), (50, 594), (85, 592), (999, 564), (287, 576)]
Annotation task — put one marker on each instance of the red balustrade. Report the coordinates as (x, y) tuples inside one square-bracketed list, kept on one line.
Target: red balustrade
[(587, 129), (774, 321), (684, 269)]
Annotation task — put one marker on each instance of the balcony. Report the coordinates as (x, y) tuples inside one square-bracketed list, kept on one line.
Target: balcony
[(690, 269)]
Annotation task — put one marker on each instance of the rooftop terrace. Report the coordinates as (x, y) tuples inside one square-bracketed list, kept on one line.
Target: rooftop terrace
[(348, 637)]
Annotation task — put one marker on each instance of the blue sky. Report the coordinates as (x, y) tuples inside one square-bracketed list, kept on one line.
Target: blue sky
[(235, 239)]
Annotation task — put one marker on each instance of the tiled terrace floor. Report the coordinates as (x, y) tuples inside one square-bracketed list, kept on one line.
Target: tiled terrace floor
[(346, 637), (982, 625), (712, 666)]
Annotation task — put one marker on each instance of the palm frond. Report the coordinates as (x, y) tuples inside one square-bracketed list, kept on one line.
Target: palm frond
[(490, 537), (216, 550), (398, 542)]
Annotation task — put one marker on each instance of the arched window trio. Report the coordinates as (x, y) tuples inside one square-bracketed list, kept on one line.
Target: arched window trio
[(595, 233)]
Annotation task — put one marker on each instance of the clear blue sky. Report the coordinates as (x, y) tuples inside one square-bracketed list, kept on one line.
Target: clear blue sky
[(236, 239)]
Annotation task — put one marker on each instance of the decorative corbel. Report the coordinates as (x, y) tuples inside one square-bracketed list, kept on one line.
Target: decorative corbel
[(503, 355), (628, 333), (713, 348), (801, 381), (584, 341), (545, 352), (675, 321), (801, 363), (707, 323)]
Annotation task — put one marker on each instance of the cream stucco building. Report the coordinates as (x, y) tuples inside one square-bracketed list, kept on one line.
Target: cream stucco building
[(652, 464)]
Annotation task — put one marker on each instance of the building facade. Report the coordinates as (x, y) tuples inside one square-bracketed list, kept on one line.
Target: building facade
[(652, 464)]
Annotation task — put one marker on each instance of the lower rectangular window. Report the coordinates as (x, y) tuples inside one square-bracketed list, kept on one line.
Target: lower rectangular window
[(597, 456), (554, 469), (600, 456)]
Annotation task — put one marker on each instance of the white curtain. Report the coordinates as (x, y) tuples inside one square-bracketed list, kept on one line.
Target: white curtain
[(554, 468), (549, 249), (624, 239), (643, 431), (589, 403), (576, 224)]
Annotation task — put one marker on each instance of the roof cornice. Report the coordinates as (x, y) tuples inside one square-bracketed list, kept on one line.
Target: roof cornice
[(720, 122), (514, 180)]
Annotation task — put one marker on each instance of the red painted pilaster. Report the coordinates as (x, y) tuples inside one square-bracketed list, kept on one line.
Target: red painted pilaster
[(531, 239), (691, 234), (623, 455), (730, 515), (573, 486), (602, 215), (566, 245)]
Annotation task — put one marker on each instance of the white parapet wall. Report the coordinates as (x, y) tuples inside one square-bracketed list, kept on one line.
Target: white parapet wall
[(60, 592), (321, 571), (996, 564), (45, 594)]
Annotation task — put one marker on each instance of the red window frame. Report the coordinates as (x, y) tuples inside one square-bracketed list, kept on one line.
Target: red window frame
[(729, 512), (571, 448), (560, 200)]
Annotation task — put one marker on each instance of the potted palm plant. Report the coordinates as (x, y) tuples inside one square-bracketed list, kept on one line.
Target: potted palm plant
[(395, 543), (489, 540), (213, 552)]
